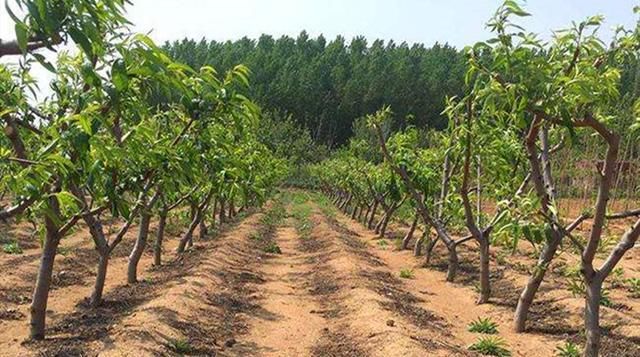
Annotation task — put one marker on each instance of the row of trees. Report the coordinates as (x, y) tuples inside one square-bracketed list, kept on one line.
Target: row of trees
[(128, 134), (324, 84), (523, 102)]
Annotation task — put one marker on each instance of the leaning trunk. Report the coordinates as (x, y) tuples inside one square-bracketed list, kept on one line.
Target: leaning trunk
[(188, 236), (43, 281), (380, 222), (157, 249), (138, 248), (417, 247), (96, 295), (409, 235), (529, 292), (373, 215)]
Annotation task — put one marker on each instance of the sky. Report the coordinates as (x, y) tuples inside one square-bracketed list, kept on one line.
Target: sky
[(457, 22)]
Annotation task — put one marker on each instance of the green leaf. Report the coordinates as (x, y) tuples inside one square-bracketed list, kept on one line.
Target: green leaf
[(22, 35), (67, 200), (119, 76), (46, 64), (82, 40)]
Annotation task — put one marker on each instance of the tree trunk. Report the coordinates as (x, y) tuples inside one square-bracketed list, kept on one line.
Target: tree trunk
[(43, 281), (157, 249), (98, 288), (529, 292), (355, 211), (453, 263), (409, 235), (366, 214), (429, 250), (139, 247), (189, 234), (213, 216), (485, 283), (385, 223), (221, 217), (380, 222), (373, 215), (232, 211), (202, 230), (592, 318), (417, 247)]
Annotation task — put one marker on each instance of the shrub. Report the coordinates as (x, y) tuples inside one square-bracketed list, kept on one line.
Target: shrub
[(272, 248), (12, 248), (490, 346), (180, 346), (406, 273), (382, 243), (568, 349), (634, 287), (483, 325)]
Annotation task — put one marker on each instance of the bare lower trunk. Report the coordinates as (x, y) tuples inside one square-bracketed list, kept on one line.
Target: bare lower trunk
[(385, 223), (43, 281), (485, 283), (221, 217), (366, 214), (355, 211), (138, 248), (407, 238), (453, 263), (380, 222), (202, 230), (98, 288), (373, 215), (213, 215), (592, 318), (429, 250), (417, 247), (530, 290), (188, 236), (157, 249)]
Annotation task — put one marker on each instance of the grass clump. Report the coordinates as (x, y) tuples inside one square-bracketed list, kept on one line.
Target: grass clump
[(568, 349), (483, 325), (382, 243), (406, 273), (490, 346), (634, 287), (179, 345), (272, 248), (12, 248)]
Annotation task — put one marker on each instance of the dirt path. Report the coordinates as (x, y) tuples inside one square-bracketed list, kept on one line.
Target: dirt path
[(292, 327), (329, 296), (333, 290)]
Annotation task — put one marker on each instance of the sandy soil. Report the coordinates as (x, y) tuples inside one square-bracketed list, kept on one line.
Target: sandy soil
[(334, 290)]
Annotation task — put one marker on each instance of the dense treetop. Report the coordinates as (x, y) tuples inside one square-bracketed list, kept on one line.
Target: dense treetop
[(326, 85)]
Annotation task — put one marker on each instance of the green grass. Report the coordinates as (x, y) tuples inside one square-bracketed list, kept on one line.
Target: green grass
[(490, 346), (12, 248), (406, 273), (633, 286), (383, 243), (272, 248), (180, 346), (483, 325), (568, 349)]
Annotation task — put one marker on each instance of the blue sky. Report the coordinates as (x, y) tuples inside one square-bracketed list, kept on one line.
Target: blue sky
[(457, 22)]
